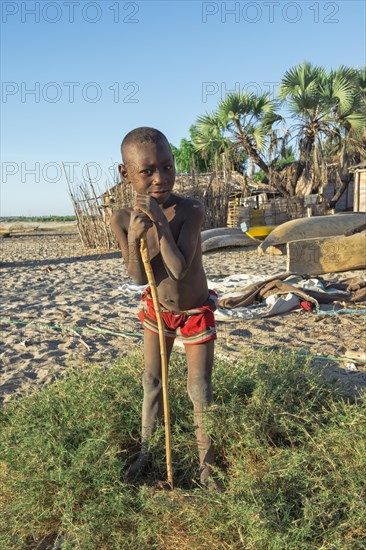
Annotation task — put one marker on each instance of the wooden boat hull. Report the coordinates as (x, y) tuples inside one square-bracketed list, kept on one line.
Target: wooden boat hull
[(312, 228), (226, 241), (327, 254), (219, 231)]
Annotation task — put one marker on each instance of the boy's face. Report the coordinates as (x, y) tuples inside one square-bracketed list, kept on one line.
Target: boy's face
[(149, 167)]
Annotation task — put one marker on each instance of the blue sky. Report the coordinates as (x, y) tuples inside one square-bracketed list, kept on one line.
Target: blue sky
[(78, 75)]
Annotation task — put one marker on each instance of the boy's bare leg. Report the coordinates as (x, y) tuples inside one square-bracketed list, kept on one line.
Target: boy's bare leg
[(152, 407), (200, 361)]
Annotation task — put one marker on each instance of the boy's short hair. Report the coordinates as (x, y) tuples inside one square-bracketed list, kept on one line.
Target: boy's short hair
[(142, 135)]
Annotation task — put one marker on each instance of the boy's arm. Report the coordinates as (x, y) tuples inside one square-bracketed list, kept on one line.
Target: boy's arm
[(177, 255), (128, 228)]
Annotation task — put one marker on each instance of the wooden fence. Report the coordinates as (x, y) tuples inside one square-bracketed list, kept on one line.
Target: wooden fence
[(93, 209)]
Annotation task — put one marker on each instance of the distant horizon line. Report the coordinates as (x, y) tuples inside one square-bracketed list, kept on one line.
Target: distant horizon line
[(5, 217)]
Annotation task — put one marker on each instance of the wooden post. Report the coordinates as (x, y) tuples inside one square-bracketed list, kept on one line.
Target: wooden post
[(164, 363)]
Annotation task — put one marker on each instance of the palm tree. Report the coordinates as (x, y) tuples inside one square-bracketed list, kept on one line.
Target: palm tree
[(209, 141), (347, 141), (327, 109), (240, 124)]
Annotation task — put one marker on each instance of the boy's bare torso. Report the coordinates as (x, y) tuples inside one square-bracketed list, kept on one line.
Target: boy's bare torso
[(191, 289)]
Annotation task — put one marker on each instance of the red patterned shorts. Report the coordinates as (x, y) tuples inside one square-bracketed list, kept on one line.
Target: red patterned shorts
[(195, 325)]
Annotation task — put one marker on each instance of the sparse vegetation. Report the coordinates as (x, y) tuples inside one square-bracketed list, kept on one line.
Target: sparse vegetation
[(49, 218), (291, 455)]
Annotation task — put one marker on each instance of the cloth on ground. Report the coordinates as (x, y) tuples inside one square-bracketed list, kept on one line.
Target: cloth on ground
[(318, 288), (282, 293), (357, 286), (312, 290), (359, 295), (235, 285), (275, 304), (354, 286), (258, 292)]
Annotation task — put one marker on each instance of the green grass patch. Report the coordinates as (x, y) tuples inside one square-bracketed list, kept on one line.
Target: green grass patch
[(291, 455)]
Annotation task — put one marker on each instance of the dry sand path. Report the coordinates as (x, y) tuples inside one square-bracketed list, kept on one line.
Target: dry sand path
[(56, 297)]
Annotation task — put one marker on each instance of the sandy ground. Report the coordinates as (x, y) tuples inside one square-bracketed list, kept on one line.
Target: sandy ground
[(57, 297)]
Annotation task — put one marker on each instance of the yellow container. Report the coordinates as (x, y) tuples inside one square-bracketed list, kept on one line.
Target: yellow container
[(260, 231)]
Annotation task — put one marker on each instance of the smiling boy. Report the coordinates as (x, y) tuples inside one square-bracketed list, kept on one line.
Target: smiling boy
[(172, 225)]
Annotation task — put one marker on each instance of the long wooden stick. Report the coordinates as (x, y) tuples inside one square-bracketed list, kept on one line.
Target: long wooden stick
[(164, 361)]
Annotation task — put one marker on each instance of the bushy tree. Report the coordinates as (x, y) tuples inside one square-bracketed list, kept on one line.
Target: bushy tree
[(187, 159)]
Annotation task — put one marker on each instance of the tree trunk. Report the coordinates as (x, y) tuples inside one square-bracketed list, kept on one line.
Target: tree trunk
[(337, 195), (252, 153), (305, 146)]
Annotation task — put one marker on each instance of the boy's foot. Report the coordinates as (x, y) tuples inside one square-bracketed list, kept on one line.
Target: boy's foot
[(139, 467)]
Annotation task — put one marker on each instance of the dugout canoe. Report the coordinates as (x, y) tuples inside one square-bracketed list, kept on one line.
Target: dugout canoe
[(226, 241), (327, 254), (312, 228), (219, 231)]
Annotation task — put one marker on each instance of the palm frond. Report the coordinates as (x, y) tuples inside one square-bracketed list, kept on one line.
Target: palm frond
[(301, 80)]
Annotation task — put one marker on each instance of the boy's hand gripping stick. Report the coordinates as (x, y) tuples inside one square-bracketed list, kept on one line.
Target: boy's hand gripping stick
[(164, 362)]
